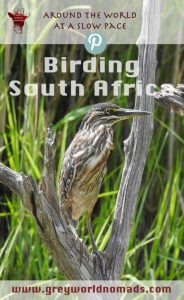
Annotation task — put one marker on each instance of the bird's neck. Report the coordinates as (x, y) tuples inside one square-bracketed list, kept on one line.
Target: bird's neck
[(101, 137), (97, 129)]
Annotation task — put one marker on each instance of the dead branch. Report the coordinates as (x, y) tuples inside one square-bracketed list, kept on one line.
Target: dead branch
[(136, 146), (70, 255), (171, 97)]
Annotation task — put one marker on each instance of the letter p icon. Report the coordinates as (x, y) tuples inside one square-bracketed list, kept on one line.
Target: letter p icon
[(95, 43)]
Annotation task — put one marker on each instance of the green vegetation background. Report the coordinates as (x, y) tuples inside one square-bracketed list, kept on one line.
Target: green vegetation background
[(156, 247)]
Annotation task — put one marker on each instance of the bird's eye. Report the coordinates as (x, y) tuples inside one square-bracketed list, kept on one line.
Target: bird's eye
[(107, 111)]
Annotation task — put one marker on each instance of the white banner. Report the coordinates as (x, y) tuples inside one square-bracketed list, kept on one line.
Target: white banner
[(70, 21), (88, 290)]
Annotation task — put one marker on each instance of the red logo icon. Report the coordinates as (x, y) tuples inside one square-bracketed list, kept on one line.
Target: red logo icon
[(18, 20)]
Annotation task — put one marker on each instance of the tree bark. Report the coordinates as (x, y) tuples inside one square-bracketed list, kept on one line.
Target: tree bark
[(171, 97), (69, 253), (136, 146)]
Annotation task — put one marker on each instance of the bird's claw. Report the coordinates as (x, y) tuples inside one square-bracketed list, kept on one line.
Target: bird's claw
[(99, 257), (82, 249)]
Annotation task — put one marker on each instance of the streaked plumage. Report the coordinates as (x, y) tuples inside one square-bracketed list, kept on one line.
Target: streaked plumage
[(84, 163)]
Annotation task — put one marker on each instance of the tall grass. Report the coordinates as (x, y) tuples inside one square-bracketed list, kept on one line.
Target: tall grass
[(156, 247)]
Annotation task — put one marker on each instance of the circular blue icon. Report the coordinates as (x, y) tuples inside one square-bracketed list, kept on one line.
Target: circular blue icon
[(95, 43)]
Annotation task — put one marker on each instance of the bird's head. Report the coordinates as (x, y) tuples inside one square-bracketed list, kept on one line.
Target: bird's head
[(108, 114)]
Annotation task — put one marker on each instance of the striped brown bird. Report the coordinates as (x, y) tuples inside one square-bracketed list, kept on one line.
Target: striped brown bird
[(84, 164)]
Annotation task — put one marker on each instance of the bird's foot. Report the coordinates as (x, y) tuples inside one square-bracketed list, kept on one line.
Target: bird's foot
[(98, 260), (82, 248)]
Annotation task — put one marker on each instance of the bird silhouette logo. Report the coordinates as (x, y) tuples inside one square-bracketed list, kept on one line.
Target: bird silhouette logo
[(18, 18)]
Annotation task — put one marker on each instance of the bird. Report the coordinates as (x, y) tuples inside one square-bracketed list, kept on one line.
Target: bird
[(85, 160)]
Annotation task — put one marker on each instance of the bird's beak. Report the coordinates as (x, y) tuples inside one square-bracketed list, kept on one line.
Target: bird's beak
[(130, 113)]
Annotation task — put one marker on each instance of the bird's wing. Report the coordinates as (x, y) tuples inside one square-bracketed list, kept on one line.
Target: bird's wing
[(74, 159), (66, 178)]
